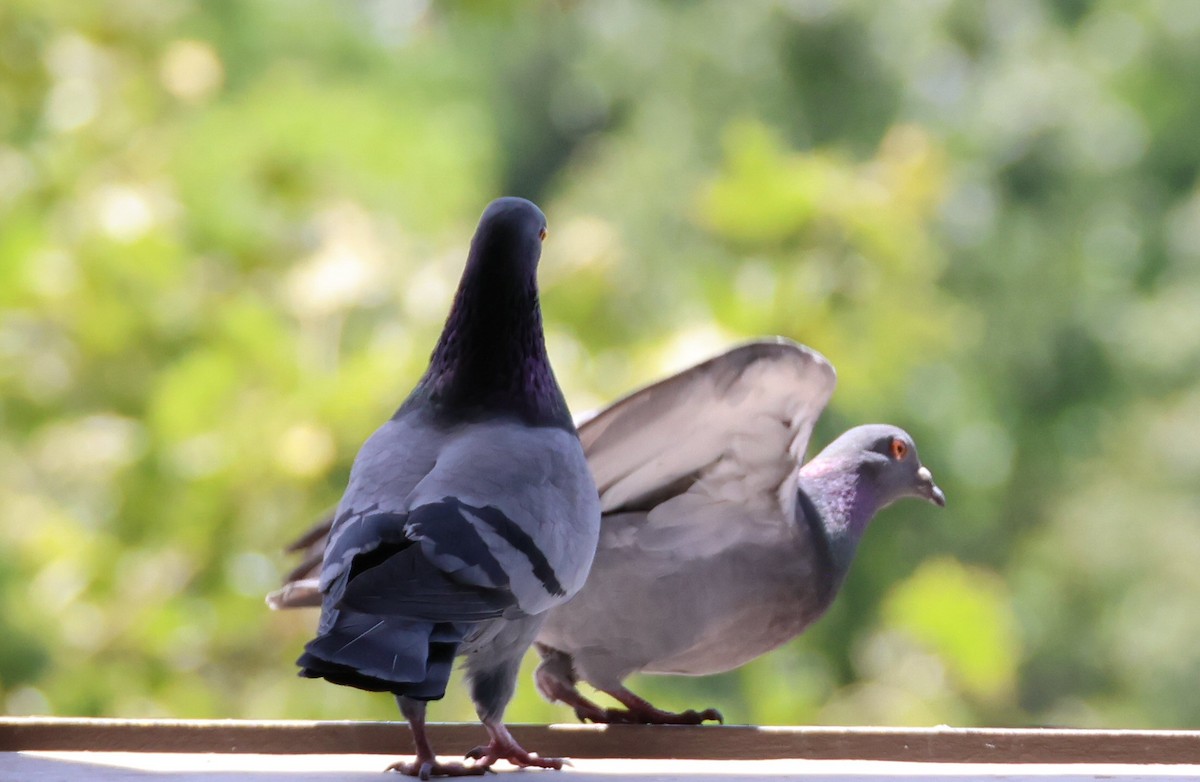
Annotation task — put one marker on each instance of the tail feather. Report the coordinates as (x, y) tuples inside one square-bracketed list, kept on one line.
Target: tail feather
[(295, 594), (384, 654), (437, 672)]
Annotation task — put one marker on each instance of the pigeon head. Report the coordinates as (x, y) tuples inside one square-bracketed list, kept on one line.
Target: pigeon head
[(885, 460), (491, 358), (509, 238), (857, 475)]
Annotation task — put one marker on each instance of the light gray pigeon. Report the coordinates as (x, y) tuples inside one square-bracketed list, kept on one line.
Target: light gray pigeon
[(468, 515), (717, 545)]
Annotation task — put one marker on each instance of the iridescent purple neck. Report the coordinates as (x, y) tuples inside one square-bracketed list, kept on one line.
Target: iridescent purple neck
[(491, 357), (845, 503)]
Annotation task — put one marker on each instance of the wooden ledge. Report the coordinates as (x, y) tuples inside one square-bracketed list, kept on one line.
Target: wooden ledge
[(710, 742)]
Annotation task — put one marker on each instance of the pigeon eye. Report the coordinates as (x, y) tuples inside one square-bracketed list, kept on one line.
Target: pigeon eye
[(899, 449), (542, 234)]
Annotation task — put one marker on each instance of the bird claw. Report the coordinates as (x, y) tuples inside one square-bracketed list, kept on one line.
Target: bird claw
[(592, 713), (658, 717), (486, 755), (424, 768)]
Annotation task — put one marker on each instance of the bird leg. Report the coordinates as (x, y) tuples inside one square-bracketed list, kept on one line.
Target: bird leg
[(557, 684), (426, 764), (504, 747), (639, 711), (557, 690)]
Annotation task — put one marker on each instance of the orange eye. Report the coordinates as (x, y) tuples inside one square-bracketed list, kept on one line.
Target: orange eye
[(542, 234), (899, 449)]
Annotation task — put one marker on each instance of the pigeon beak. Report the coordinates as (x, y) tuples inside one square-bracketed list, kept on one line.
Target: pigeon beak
[(928, 489)]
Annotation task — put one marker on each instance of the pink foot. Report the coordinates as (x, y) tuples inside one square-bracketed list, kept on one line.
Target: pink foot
[(639, 711), (425, 768), (486, 755), (655, 717), (425, 764), (504, 747)]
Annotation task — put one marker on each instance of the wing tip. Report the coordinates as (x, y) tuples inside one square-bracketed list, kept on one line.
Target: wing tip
[(798, 363), (779, 347)]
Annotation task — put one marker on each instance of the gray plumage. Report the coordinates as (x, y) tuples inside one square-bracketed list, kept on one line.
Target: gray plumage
[(468, 515), (717, 545)]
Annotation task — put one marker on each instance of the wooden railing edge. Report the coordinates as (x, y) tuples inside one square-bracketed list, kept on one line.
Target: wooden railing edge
[(732, 742)]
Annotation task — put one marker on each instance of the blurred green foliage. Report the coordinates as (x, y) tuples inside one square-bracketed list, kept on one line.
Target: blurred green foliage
[(229, 232)]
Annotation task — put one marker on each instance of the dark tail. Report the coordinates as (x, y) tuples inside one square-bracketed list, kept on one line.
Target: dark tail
[(384, 654)]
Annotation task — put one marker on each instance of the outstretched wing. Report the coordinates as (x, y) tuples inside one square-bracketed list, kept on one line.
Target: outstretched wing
[(740, 420)]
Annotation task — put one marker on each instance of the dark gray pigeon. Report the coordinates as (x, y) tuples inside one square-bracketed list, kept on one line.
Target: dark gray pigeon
[(468, 515), (717, 545)]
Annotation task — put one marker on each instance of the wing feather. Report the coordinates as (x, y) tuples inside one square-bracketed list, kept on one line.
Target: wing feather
[(740, 420)]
